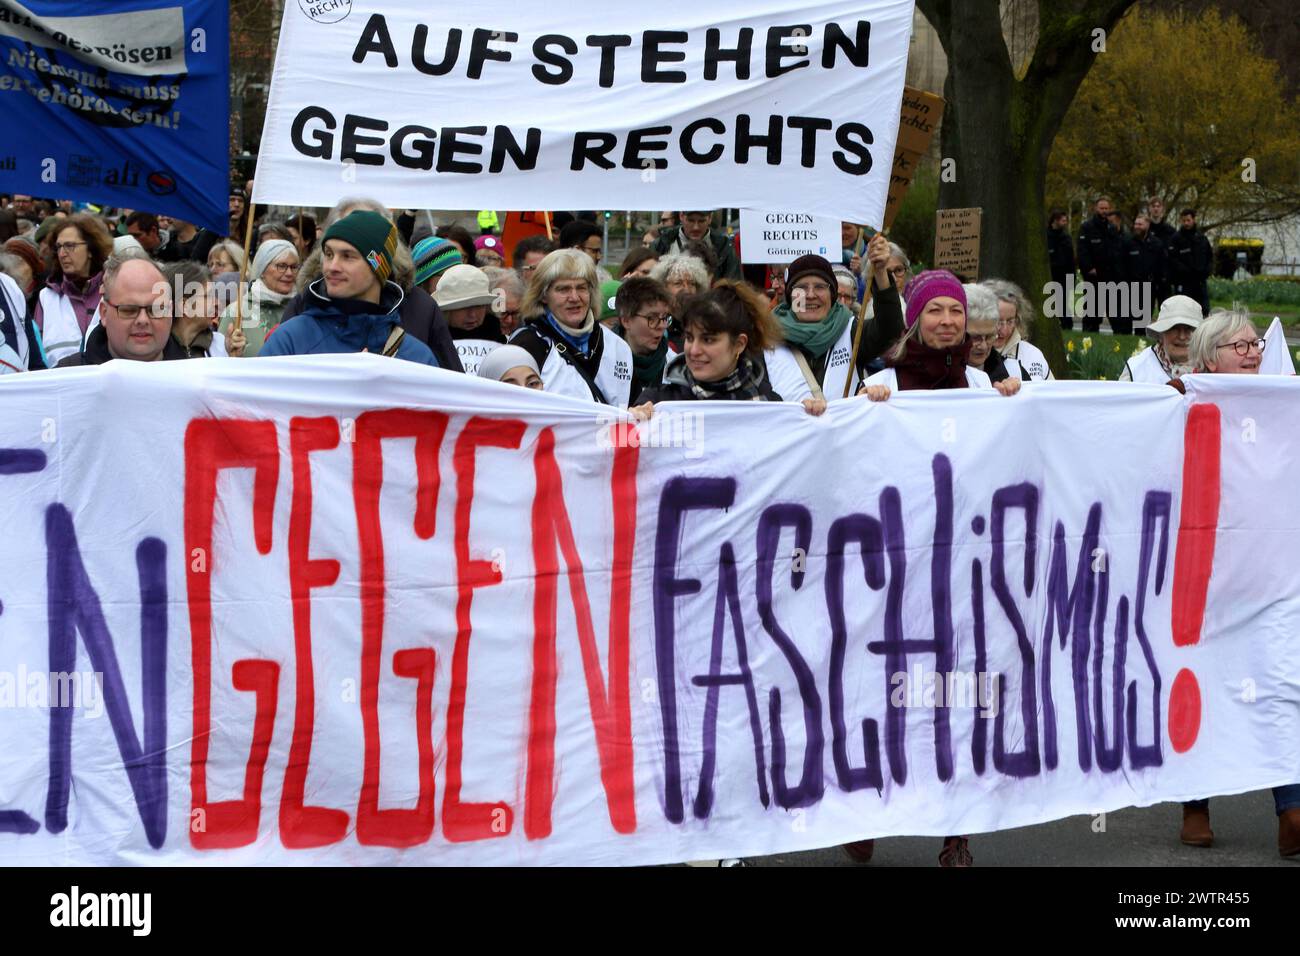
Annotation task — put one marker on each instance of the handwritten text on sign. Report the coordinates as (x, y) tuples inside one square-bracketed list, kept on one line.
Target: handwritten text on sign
[(433, 618)]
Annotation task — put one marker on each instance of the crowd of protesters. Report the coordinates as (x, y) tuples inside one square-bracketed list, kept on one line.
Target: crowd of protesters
[(678, 319)]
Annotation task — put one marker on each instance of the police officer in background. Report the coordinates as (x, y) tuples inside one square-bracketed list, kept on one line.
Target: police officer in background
[(1100, 259), (1060, 256), (1145, 256), (1190, 261)]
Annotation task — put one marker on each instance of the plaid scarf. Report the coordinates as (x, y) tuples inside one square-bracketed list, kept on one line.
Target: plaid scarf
[(744, 384)]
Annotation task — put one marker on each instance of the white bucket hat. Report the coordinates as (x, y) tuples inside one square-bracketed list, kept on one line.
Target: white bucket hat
[(462, 287), (1177, 310)]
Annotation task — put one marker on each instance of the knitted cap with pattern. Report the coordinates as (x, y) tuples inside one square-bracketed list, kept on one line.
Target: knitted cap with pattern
[(372, 235), (433, 255)]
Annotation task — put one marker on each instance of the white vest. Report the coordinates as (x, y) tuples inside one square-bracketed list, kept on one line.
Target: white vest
[(614, 379), (473, 351), (60, 329), (1146, 367), (788, 380), (1028, 363), (975, 378), (15, 359)]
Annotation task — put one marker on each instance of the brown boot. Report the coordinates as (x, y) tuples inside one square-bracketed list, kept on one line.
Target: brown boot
[(1196, 827), (860, 851), (1288, 832)]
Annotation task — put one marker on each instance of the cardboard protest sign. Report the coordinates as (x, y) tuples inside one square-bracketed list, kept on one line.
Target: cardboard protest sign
[(352, 610), (423, 106), (917, 123), (957, 242), (121, 102)]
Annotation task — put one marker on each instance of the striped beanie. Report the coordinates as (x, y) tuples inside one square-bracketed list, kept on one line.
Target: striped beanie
[(372, 235), (433, 256)]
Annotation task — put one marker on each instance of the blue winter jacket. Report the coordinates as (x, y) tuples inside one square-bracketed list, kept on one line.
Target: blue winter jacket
[(329, 325)]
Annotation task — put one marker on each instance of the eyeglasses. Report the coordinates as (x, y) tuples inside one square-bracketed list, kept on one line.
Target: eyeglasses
[(67, 246), (130, 312), (819, 287), (509, 313), (654, 321), (1243, 348), (897, 271), (288, 268)]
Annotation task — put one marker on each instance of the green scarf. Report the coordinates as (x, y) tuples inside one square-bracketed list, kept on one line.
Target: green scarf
[(649, 369), (815, 338)]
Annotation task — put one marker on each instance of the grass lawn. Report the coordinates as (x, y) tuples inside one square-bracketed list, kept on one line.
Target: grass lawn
[(1263, 312)]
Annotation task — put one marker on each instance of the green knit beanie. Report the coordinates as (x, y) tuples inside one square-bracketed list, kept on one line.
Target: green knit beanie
[(372, 235)]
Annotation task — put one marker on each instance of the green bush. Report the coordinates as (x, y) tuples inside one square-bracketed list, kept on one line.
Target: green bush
[(1093, 356), (1274, 289)]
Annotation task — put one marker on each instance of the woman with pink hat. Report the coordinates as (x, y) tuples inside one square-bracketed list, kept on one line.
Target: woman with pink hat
[(932, 354)]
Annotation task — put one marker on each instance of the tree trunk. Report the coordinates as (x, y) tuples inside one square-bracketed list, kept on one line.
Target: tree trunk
[(999, 130)]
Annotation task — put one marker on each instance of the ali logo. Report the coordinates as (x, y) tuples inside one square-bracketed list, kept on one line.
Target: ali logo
[(161, 183), (326, 11)]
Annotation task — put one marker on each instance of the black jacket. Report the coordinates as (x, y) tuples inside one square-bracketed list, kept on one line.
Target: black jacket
[(1144, 260), (1100, 248), (1060, 254), (676, 388), (419, 315), (728, 264), (1190, 259), (96, 350), (195, 250)]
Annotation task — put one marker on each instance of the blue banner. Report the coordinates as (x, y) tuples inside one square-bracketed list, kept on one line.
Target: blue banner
[(118, 102)]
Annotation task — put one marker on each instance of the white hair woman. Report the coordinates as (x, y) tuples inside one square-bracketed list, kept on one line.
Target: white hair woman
[(1024, 360), (1227, 342), (982, 332), (577, 356), (274, 269), (682, 275)]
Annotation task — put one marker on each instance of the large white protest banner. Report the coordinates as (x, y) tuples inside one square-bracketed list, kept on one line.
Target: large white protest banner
[(788, 105), (344, 609)]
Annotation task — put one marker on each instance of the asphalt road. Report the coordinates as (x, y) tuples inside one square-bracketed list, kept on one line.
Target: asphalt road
[(1245, 832)]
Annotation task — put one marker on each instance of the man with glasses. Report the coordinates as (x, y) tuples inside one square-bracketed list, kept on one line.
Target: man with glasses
[(135, 317), (529, 252), (644, 309), (586, 237), (698, 226)]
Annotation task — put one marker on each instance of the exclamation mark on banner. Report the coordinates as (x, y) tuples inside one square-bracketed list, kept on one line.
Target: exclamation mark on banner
[(1194, 562)]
